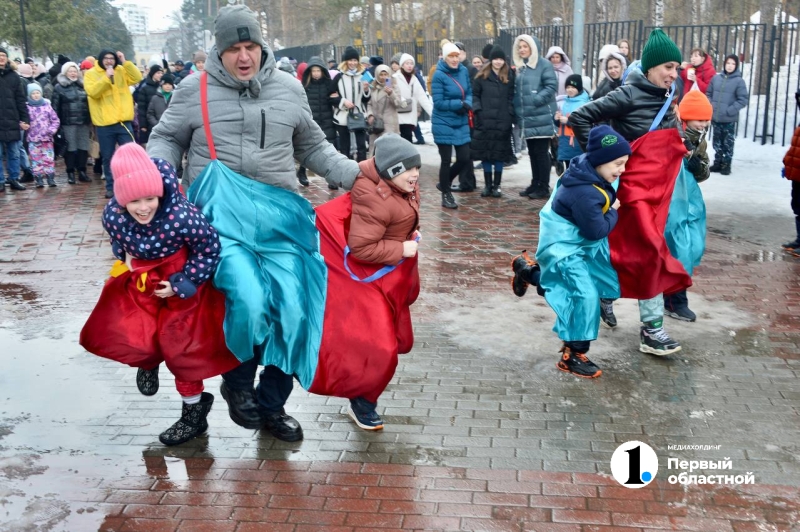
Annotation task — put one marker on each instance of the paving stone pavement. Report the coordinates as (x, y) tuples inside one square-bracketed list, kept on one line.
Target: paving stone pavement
[(483, 433)]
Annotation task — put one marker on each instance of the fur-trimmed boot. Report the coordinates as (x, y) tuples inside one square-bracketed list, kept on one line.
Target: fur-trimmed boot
[(191, 424)]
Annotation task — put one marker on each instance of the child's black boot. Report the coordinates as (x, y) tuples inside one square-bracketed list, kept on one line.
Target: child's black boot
[(51, 180), (302, 177), (39, 181), (577, 363), (147, 381), (191, 424), (526, 272), (716, 167), (725, 169), (487, 180)]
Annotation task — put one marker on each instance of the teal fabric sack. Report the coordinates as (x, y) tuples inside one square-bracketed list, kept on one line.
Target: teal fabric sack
[(575, 274), (685, 231), (271, 272)]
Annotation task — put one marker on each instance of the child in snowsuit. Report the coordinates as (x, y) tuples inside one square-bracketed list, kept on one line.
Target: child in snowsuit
[(791, 171), (685, 231), (166, 248), (568, 147), (44, 124), (385, 219), (573, 252)]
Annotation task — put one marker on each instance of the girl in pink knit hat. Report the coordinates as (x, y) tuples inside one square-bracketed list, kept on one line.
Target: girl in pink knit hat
[(157, 306)]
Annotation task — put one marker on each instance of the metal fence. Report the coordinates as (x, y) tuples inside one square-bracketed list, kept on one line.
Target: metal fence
[(769, 57)]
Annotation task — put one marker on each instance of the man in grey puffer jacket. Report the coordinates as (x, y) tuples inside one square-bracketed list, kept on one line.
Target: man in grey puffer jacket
[(261, 122)]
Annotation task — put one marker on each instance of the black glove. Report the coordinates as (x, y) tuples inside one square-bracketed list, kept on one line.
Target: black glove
[(463, 109), (694, 165), (466, 106)]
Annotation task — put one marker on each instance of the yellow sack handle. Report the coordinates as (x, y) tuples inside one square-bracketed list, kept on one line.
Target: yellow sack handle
[(608, 200), (119, 267)]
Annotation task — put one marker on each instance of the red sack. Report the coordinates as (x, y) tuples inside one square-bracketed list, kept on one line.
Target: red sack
[(131, 325), (366, 324), (639, 251)]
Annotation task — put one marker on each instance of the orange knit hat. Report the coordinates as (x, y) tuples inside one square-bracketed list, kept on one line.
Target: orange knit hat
[(695, 106)]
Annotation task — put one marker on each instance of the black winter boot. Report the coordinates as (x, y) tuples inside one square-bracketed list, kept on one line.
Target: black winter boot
[(70, 177), (39, 181), (147, 381), (796, 242), (51, 180), (14, 184), (487, 180), (448, 201), (716, 167), (27, 176), (725, 169), (80, 163), (527, 191), (302, 177), (191, 424), (496, 193)]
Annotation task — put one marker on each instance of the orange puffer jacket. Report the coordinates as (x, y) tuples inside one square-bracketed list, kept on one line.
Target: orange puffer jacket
[(791, 161)]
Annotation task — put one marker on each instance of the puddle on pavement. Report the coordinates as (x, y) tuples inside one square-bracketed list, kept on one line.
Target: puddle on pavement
[(769, 256)]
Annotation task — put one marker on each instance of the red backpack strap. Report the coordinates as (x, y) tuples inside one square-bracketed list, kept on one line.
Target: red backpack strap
[(212, 150)]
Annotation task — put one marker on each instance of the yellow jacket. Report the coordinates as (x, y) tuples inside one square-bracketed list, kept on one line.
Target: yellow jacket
[(111, 104)]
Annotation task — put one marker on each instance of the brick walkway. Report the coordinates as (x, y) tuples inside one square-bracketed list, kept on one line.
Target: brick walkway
[(483, 433)]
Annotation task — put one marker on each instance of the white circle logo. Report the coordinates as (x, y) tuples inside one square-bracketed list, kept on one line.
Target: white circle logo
[(634, 464)]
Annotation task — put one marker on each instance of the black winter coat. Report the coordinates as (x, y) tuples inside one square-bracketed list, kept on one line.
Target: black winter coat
[(147, 90), (629, 110), (13, 105), (320, 98), (579, 201), (493, 105), (606, 86), (70, 102)]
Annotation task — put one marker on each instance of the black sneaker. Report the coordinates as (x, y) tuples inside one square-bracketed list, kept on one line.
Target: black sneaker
[(792, 245), (448, 201), (539, 194), (522, 266), (363, 413), (676, 306), (147, 381), (578, 364), (526, 192), (653, 339), (607, 317)]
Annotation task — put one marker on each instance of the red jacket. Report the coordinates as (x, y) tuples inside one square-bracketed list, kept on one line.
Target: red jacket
[(703, 75), (791, 161)]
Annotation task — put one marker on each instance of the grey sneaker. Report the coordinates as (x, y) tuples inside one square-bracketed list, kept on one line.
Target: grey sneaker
[(653, 339)]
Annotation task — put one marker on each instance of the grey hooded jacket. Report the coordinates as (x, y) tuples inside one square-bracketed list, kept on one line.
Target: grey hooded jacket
[(728, 95), (259, 127), (534, 92)]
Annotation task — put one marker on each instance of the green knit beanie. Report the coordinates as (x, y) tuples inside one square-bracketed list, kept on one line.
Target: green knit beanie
[(659, 49)]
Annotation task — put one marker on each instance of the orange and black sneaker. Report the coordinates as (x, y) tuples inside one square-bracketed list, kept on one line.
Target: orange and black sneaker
[(526, 272), (578, 364)]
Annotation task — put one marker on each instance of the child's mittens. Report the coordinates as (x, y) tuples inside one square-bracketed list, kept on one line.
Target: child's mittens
[(182, 286)]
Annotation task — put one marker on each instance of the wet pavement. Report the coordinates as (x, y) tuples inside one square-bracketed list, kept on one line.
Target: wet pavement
[(483, 433)]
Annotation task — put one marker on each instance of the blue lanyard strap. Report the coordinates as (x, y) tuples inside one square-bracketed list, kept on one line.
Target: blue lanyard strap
[(375, 276), (664, 108)]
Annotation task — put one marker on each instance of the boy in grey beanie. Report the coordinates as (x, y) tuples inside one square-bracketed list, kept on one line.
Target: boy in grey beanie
[(383, 230)]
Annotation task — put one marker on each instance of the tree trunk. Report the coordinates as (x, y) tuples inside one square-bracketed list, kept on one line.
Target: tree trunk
[(658, 13), (769, 16)]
